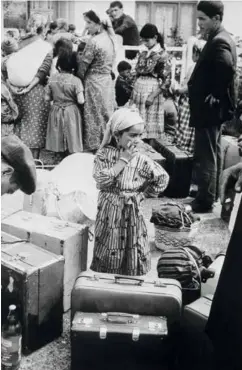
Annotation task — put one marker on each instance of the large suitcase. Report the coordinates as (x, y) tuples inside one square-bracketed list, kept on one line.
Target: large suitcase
[(179, 166), (196, 314), (63, 238), (95, 292), (117, 341), (32, 279)]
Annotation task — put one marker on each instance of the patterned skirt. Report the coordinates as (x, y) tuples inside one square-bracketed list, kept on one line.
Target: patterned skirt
[(185, 135), (154, 115), (31, 127), (121, 238), (98, 108)]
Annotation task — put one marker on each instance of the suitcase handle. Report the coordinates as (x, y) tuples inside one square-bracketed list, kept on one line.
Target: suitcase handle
[(137, 280), (119, 318)]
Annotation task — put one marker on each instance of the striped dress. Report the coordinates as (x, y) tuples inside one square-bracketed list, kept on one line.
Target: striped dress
[(121, 239)]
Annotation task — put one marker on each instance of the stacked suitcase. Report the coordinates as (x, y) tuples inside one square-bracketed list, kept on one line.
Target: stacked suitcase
[(41, 258), (123, 320), (179, 167)]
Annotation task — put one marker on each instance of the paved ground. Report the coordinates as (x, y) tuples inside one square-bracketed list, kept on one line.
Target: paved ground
[(212, 234)]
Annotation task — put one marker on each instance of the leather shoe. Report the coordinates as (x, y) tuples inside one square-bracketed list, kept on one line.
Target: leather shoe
[(201, 208)]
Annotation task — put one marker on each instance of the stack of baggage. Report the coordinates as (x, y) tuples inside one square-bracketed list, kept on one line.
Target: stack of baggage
[(41, 258)]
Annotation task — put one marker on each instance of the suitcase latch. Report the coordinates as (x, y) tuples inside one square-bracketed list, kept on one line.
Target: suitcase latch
[(135, 334), (103, 332)]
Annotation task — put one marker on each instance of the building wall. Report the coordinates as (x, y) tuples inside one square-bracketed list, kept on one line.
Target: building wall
[(233, 16), (75, 9)]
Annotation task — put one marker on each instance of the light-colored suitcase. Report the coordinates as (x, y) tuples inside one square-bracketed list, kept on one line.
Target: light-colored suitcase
[(97, 292), (196, 314), (63, 238)]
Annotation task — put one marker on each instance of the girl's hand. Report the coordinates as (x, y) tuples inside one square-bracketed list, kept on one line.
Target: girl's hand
[(130, 152), (149, 101), (23, 91)]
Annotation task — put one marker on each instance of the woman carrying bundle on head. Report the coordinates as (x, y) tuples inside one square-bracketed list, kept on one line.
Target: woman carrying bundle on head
[(64, 131), (153, 72), (124, 177)]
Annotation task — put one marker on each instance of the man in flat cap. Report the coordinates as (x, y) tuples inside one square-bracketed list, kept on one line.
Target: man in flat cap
[(17, 166), (212, 100)]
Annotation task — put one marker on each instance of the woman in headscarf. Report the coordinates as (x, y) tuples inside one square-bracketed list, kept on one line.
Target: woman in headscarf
[(31, 127), (124, 177), (153, 71), (94, 69)]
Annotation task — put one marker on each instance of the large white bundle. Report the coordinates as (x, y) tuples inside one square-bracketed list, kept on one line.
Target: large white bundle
[(23, 65), (73, 180)]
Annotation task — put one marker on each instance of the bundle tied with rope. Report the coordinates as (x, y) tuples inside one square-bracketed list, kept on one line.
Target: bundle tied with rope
[(172, 225)]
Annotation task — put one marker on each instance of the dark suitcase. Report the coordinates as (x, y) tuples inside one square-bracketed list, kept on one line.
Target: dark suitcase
[(196, 314), (152, 153), (32, 279), (117, 341), (95, 292), (179, 167)]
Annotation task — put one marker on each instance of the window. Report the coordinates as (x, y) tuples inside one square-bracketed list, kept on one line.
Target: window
[(167, 16)]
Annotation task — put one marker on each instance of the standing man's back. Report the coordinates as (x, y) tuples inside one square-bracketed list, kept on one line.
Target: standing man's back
[(212, 100)]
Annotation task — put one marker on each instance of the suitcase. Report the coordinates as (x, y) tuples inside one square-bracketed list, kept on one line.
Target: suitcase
[(59, 237), (118, 340), (95, 292), (152, 153), (32, 279), (179, 167), (196, 314)]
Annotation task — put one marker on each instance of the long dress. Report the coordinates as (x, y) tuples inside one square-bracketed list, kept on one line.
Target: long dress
[(31, 127), (153, 71), (121, 239), (185, 134), (95, 70), (64, 131)]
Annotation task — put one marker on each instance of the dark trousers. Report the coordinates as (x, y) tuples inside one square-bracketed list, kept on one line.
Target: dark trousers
[(207, 157)]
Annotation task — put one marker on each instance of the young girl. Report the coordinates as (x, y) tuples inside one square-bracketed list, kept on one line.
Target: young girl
[(153, 72), (124, 177), (64, 131)]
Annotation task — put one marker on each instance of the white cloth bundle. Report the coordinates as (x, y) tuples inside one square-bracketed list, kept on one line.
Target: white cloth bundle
[(23, 65)]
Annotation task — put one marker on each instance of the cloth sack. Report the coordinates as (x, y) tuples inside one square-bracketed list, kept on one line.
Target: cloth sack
[(172, 225), (23, 65), (67, 192)]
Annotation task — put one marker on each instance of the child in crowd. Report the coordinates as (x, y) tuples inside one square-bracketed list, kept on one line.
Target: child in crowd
[(64, 132), (124, 83), (124, 177)]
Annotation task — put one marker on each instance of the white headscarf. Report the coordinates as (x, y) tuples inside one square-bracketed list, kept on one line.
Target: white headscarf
[(121, 119)]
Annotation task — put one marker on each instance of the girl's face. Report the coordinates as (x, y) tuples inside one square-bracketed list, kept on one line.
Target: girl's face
[(132, 135), (91, 26), (149, 43)]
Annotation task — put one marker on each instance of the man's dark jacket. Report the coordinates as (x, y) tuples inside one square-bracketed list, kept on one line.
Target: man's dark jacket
[(126, 27), (214, 74)]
